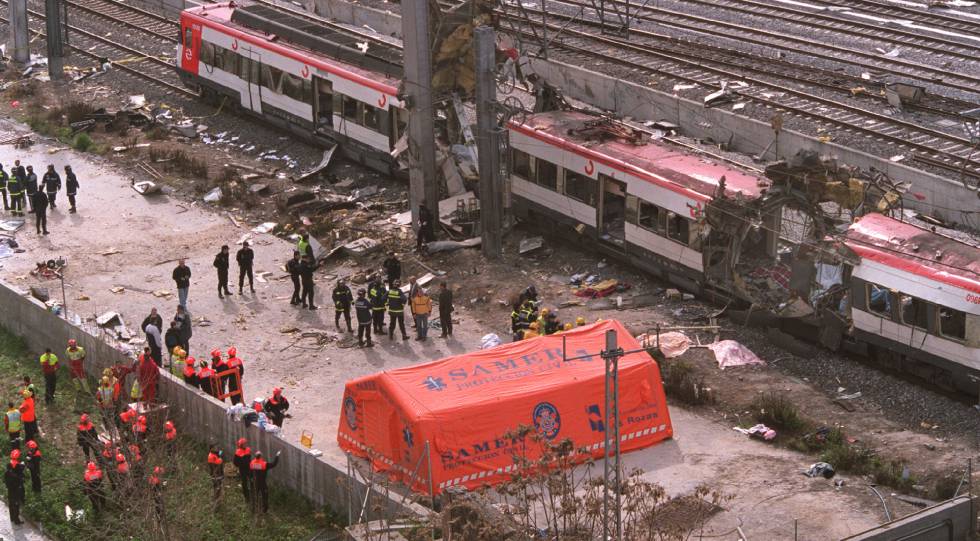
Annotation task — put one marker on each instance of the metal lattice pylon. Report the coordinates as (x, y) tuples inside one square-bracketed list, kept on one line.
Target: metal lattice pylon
[(612, 522)]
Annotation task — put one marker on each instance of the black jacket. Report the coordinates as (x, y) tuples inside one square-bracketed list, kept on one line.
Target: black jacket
[(30, 183), (221, 262), (293, 266), (156, 320), (184, 325), (171, 338), (342, 297), (445, 301), (378, 295), (71, 183), (393, 267), (182, 276), (241, 462), (14, 479), (51, 181), (14, 185), (244, 257), (363, 308), (40, 201), (259, 476), (19, 172), (396, 300), (3, 179), (306, 271)]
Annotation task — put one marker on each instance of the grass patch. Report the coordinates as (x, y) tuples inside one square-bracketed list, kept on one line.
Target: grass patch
[(82, 142), (188, 505), (175, 159), (682, 383), (777, 411)]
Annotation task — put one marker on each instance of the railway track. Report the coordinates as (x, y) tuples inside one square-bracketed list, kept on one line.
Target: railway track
[(939, 19), (939, 149), (132, 17), (806, 47), (832, 22), (136, 62)]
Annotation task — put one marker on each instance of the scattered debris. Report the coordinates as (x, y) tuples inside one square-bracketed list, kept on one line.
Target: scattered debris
[(679, 87), (759, 432), (671, 344), (146, 187), (112, 321), (117, 289), (264, 227), (40, 293), (362, 247), (489, 341), (162, 294), (11, 225), (820, 469), (730, 353), (213, 196), (112, 251), (451, 245), (324, 163)]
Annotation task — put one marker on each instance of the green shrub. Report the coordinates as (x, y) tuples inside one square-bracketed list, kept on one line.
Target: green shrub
[(82, 142), (777, 411), (683, 384)]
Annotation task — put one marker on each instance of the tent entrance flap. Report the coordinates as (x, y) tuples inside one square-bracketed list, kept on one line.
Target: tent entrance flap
[(467, 408)]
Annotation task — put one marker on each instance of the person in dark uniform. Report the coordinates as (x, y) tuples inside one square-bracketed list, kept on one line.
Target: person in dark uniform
[(396, 311), (362, 308), (30, 186), (3, 187), (293, 267), (392, 267), (378, 296), (426, 231), (260, 468), (33, 462), (306, 269), (40, 202), (216, 469), (221, 263), (52, 184), (71, 188), (13, 477), (244, 257), (242, 460), (342, 299), (445, 309), (16, 188)]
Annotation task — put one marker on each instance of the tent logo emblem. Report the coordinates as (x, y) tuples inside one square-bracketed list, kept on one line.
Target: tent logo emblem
[(595, 418), (350, 412), (408, 437), (434, 384), (546, 420)]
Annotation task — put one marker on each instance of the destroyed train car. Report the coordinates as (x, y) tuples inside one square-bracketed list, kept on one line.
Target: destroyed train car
[(788, 249)]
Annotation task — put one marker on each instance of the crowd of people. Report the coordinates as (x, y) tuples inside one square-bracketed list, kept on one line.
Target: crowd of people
[(22, 193), (528, 319)]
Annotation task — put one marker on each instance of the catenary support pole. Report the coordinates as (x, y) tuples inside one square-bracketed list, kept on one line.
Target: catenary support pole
[(487, 139), (423, 184), (19, 46), (55, 29), (612, 523)]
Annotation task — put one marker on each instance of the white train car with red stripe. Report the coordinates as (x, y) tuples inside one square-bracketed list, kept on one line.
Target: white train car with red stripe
[(233, 54)]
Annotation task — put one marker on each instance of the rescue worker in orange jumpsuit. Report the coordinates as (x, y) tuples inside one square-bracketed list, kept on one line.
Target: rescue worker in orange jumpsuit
[(207, 380), (28, 414), (232, 383), (13, 477), (275, 407), (259, 469), (190, 373), (76, 365), (243, 458), (216, 468), (219, 365), (87, 437), (33, 462), (93, 486)]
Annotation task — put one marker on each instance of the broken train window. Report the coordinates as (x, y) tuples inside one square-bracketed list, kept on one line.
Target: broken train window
[(521, 164), (580, 187), (547, 174), (207, 53), (914, 311), (952, 323), (650, 217), (879, 300), (678, 228)]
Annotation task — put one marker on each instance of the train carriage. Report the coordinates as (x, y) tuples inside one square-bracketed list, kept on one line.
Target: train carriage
[(268, 65)]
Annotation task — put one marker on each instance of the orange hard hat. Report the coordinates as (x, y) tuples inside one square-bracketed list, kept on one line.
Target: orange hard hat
[(31, 444), (15, 454), (72, 342), (232, 351), (242, 442), (216, 353)]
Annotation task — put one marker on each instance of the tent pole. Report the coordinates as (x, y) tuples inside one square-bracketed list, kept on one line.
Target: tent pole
[(350, 488), (428, 458)]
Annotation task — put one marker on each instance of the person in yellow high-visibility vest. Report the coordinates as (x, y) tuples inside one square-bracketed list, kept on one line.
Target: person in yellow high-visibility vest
[(49, 365), (76, 365), (13, 424)]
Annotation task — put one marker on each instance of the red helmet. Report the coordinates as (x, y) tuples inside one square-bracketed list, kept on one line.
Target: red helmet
[(191, 361), (277, 391), (242, 442), (91, 466), (31, 444), (157, 470), (120, 457), (169, 425), (232, 352), (216, 353), (142, 418), (83, 418), (71, 343), (15, 454)]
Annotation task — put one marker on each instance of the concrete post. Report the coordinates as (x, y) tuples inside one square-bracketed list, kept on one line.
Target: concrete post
[(423, 185), (19, 46), (488, 141), (55, 29)]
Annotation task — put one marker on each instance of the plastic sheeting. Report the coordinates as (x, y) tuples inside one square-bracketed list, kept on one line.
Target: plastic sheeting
[(730, 353), (467, 407)]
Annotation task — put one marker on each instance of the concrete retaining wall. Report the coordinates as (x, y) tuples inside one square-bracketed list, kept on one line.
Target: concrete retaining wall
[(195, 414), (747, 135), (953, 520)]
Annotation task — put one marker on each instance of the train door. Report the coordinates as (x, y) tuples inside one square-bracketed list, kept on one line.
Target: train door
[(322, 104), (248, 72), (612, 211), (191, 41)]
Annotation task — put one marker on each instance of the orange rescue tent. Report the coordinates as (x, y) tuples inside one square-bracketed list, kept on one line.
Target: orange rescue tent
[(463, 407)]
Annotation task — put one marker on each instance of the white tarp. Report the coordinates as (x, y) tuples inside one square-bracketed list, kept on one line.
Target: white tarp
[(730, 353)]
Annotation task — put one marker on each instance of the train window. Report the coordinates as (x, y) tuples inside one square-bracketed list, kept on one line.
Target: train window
[(879, 301), (952, 323), (349, 110), (371, 120), (272, 78), (678, 228), (207, 53), (914, 311), (244, 65), (307, 91), (292, 87), (580, 187), (547, 174), (650, 218), (188, 37), (521, 164)]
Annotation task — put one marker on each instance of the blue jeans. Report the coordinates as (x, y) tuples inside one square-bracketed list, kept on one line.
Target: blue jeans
[(422, 325), (182, 296)]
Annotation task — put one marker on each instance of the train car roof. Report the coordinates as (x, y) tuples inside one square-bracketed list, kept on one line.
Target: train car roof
[(221, 14), (652, 160), (916, 250)]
